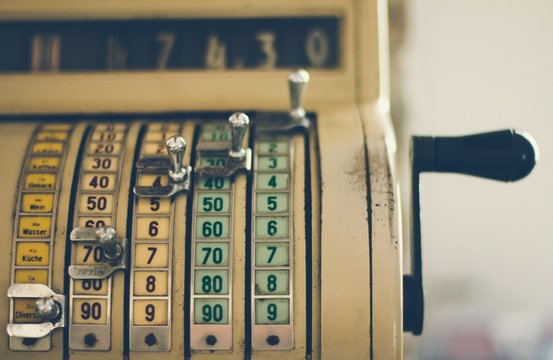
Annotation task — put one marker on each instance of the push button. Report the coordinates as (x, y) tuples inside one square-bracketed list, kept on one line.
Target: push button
[(150, 312), (24, 311), (24, 276), (32, 254), (90, 311), (48, 148), (151, 255), (37, 203), (90, 287), (44, 164), (272, 311), (40, 182), (56, 127), (34, 226), (52, 135), (274, 227)]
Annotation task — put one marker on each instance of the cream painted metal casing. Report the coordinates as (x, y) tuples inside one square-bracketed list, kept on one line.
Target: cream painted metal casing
[(358, 303)]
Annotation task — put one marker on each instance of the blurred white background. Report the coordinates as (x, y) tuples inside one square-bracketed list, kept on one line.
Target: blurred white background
[(470, 66)]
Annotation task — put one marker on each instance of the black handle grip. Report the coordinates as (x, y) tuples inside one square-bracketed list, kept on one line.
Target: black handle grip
[(506, 155)]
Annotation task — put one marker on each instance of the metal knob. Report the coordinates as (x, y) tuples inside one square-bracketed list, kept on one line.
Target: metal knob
[(297, 81), (106, 238), (47, 309), (239, 123), (176, 147)]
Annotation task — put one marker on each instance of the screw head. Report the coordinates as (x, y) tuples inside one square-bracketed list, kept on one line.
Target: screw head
[(47, 309), (175, 144), (239, 119), (299, 77)]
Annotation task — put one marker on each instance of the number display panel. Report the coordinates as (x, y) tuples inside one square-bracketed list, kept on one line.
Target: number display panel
[(211, 305), (191, 44), (272, 250), (153, 244), (35, 221), (90, 300)]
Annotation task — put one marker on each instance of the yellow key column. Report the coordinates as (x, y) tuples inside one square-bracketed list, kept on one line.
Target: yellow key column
[(39, 238)]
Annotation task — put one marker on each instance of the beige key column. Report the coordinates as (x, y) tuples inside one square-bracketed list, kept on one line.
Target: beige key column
[(156, 301), (96, 322)]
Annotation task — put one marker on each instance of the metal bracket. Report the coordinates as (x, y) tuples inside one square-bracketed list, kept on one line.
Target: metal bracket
[(40, 291), (281, 123), (232, 166), (146, 165), (179, 174), (109, 263), (237, 157)]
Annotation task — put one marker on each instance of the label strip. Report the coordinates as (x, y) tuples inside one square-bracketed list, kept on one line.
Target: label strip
[(152, 251), (35, 220), (272, 258)]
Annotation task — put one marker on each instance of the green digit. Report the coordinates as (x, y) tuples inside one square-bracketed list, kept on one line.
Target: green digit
[(272, 249), (271, 283), (272, 227), (272, 312), (214, 183), (215, 229), (206, 312), (272, 182), (207, 254), (212, 283), (211, 204), (272, 203)]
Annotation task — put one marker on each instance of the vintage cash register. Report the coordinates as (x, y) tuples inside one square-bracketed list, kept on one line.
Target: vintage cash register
[(175, 187)]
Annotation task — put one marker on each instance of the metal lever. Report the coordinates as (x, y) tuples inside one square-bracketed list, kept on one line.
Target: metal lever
[(296, 118), (113, 247), (507, 155), (179, 174), (297, 83), (239, 123), (176, 147), (238, 158), (49, 307)]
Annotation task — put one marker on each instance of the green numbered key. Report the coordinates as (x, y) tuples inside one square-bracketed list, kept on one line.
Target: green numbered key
[(273, 147), (271, 202), (213, 183), (273, 227), (216, 227), (213, 161), (272, 311), (272, 181), (271, 254), (213, 202), (211, 254), (272, 282), (265, 163), (211, 311), (216, 132), (212, 282)]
